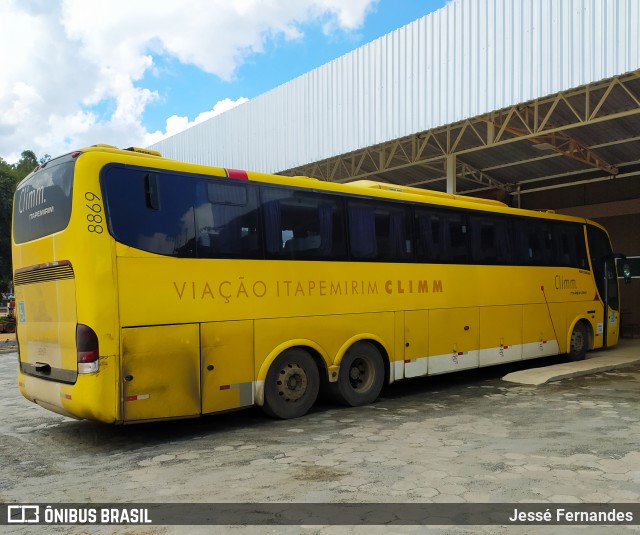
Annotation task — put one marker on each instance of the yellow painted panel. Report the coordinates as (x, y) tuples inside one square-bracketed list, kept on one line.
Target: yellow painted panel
[(161, 372), (500, 326), (536, 324), (227, 365), (453, 330), (416, 334), (46, 313)]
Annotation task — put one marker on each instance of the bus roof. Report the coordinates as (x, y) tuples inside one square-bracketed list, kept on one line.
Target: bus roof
[(362, 187)]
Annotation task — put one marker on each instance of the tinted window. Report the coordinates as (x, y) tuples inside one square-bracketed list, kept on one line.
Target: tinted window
[(569, 246), (42, 203), (535, 245), (442, 236), (151, 210), (227, 220), (303, 225), (492, 239), (379, 231)]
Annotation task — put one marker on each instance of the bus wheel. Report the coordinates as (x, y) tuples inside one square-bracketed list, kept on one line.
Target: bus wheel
[(292, 385), (579, 342), (361, 376)]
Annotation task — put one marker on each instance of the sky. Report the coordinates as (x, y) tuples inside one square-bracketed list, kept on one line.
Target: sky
[(74, 73)]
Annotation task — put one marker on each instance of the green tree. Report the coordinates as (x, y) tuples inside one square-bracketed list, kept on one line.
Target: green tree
[(27, 163), (10, 175)]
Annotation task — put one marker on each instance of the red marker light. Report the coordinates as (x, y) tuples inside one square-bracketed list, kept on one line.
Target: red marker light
[(237, 173)]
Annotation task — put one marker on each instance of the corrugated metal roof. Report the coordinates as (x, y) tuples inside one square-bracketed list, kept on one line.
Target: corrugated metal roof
[(464, 60)]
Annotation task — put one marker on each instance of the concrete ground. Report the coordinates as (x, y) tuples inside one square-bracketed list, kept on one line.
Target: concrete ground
[(626, 353), (464, 438)]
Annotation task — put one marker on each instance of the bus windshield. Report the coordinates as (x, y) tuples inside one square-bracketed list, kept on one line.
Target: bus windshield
[(43, 201)]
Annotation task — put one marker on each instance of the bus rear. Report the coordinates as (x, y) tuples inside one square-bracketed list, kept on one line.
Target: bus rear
[(63, 286)]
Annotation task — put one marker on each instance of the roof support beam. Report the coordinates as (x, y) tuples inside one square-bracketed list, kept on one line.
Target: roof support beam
[(548, 120), (560, 142), (451, 173)]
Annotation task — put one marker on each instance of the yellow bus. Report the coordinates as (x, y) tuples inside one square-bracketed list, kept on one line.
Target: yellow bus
[(148, 288)]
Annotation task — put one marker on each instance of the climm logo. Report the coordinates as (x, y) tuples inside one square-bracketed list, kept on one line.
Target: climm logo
[(420, 286), (565, 284), (30, 198)]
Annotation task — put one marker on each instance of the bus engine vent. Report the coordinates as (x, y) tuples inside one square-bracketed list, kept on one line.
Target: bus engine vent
[(44, 273)]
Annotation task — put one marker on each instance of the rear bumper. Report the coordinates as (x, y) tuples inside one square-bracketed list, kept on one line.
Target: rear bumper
[(92, 397)]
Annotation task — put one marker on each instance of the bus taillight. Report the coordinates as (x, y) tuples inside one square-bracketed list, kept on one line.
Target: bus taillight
[(88, 351)]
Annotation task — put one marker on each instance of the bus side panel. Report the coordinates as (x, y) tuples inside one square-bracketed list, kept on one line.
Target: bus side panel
[(500, 334), (560, 313), (539, 339), (416, 336), (453, 341), (227, 365), (330, 333), (161, 372)]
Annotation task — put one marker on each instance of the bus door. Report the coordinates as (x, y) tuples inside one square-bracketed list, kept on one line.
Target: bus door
[(611, 304), (161, 372), (606, 279)]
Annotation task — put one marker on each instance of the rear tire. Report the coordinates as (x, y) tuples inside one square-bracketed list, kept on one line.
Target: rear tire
[(361, 376), (579, 343), (292, 384)]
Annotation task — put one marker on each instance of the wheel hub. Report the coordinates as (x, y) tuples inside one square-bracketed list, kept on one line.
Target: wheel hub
[(354, 373), (577, 341), (292, 383), (358, 374)]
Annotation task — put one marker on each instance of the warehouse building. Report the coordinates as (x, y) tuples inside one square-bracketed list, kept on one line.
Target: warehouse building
[(532, 102)]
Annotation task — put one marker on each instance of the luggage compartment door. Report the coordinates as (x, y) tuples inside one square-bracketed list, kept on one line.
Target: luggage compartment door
[(161, 372), (453, 339), (227, 365)]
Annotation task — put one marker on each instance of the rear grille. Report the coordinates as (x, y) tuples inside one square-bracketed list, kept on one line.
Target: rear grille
[(44, 273)]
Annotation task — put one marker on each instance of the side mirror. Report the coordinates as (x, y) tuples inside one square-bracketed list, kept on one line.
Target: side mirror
[(626, 268)]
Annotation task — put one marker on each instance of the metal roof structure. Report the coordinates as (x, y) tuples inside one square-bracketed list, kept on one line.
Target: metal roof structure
[(512, 96)]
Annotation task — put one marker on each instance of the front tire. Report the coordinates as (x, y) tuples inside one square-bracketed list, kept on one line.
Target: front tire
[(292, 384), (361, 376), (579, 343)]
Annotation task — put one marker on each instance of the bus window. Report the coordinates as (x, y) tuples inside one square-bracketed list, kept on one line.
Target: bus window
[(429, 238), (535, 243), (492, 239), (458, 246), (569, 246), (443, 236), (379, 231), (150, 211), (227, 220), (43, 201), (303, 225)]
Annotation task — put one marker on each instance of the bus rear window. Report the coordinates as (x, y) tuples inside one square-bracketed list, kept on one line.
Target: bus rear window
[(42, 203)]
